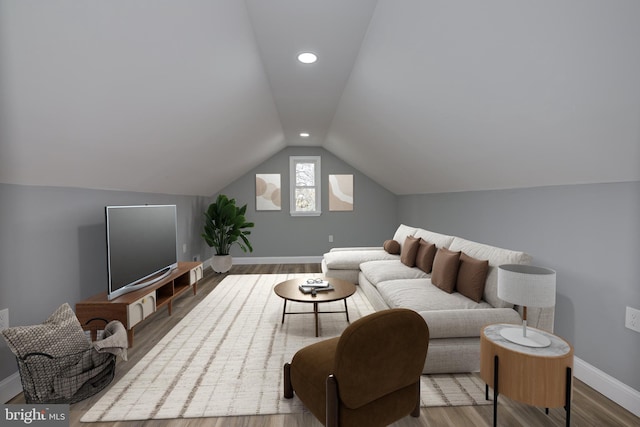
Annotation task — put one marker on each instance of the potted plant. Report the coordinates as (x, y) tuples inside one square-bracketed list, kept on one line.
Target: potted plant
[(225, 225)]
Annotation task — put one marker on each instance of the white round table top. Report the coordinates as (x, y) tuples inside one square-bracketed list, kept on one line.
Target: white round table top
[(558, 347)]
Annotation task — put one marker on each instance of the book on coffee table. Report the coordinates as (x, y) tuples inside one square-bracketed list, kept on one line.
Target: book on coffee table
[(308, 289), (316, 283)]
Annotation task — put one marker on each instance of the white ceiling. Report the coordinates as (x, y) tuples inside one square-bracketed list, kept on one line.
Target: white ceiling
[(422, 96)]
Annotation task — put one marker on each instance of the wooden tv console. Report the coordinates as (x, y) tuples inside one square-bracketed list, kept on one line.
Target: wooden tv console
[(132, 308)]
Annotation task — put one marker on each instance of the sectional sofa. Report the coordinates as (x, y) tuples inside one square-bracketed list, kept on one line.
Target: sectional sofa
[(451, 282)]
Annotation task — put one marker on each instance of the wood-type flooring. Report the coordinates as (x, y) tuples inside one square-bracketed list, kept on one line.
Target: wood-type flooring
[(589, 408)]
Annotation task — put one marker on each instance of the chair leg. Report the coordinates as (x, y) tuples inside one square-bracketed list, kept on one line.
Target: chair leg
[(416, 410), (332, 402), (288, 388)]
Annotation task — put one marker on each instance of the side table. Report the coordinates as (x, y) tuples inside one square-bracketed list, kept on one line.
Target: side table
[(536, 376)]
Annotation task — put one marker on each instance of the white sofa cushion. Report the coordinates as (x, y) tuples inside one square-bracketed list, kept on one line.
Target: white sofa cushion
[(495, 256), (351, 260), (440, 240), (421, 295), (466, 323), (380, 271), (348, 275)]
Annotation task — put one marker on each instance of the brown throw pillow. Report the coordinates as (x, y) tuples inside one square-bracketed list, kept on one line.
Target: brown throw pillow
[(425, 255), (445, 269), (391, 246), (472, 276), (409, 251)]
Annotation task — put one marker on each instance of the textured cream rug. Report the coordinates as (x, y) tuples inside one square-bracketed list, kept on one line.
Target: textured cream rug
[(225, 358)]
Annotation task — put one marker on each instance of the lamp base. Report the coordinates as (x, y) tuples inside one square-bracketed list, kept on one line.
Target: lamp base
[(533, 339)]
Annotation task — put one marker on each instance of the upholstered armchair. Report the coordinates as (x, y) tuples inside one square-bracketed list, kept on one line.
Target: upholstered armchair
[(369, 376)]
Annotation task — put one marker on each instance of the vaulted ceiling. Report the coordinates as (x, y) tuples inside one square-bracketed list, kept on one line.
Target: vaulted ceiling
[(423, 96)]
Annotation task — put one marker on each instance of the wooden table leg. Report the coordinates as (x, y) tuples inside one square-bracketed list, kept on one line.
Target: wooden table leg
[(346, 310), (130, 337), (284, 309), (568, 396), (495, 391)]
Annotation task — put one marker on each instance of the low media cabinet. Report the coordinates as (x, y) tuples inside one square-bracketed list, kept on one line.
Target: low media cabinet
[(132, 308)]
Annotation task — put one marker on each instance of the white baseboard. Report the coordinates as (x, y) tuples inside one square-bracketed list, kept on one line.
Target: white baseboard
[(277, 260), (10, 387), (605, 384)]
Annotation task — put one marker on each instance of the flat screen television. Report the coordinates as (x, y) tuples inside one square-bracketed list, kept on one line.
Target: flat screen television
[(141, 246)]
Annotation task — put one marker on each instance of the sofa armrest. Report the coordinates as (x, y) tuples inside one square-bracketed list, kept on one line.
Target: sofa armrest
[(466, 322), (351, 259)]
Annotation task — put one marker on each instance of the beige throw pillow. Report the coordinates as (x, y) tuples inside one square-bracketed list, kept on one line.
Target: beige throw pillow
[(59, 335)]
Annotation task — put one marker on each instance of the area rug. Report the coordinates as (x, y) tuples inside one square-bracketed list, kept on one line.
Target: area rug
[(225, 358)]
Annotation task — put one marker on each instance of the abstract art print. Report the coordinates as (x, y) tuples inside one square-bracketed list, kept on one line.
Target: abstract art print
[(268, 192), (341, 192)]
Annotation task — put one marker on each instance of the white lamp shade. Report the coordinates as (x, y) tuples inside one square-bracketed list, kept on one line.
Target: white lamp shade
[(527, 285)]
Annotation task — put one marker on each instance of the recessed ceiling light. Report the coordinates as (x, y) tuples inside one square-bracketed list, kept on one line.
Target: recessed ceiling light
[(307, 57), (304, 134)]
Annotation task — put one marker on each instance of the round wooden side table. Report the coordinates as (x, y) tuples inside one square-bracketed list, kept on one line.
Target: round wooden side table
[(536, 376)]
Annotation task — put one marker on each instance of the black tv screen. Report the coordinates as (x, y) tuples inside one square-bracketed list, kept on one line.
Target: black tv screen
[(141, 245)]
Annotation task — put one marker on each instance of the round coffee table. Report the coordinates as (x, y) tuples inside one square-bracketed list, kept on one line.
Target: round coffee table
[(289, 291)]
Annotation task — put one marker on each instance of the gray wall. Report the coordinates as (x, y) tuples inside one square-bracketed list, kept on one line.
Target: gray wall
[(589, 234), (53, 248), (52, 240), (278, 234)]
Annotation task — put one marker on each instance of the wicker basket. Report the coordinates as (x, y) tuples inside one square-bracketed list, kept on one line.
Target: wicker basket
[(67, 379)]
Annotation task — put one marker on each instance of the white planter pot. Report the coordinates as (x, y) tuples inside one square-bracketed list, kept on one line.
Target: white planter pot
[(221, 263)]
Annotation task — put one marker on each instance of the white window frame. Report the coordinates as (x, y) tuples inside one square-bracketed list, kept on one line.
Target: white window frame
[(293, 161)]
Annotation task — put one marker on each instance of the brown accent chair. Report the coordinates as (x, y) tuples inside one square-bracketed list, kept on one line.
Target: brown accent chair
[(369, 376)]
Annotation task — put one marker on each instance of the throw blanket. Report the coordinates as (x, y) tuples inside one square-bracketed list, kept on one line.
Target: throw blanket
[(115, 340)]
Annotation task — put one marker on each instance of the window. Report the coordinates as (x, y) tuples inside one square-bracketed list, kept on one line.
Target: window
[(305, 185)]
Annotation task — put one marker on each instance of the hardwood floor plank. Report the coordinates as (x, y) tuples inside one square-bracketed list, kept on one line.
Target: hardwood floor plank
[(589, 408)]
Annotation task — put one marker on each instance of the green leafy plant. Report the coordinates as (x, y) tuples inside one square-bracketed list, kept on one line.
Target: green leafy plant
[(225, 225)]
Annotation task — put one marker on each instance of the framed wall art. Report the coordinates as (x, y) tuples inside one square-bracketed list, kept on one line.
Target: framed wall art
[(341, 192), (268, 197)]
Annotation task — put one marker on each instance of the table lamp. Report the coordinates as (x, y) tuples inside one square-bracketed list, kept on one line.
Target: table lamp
[(527, 286)]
